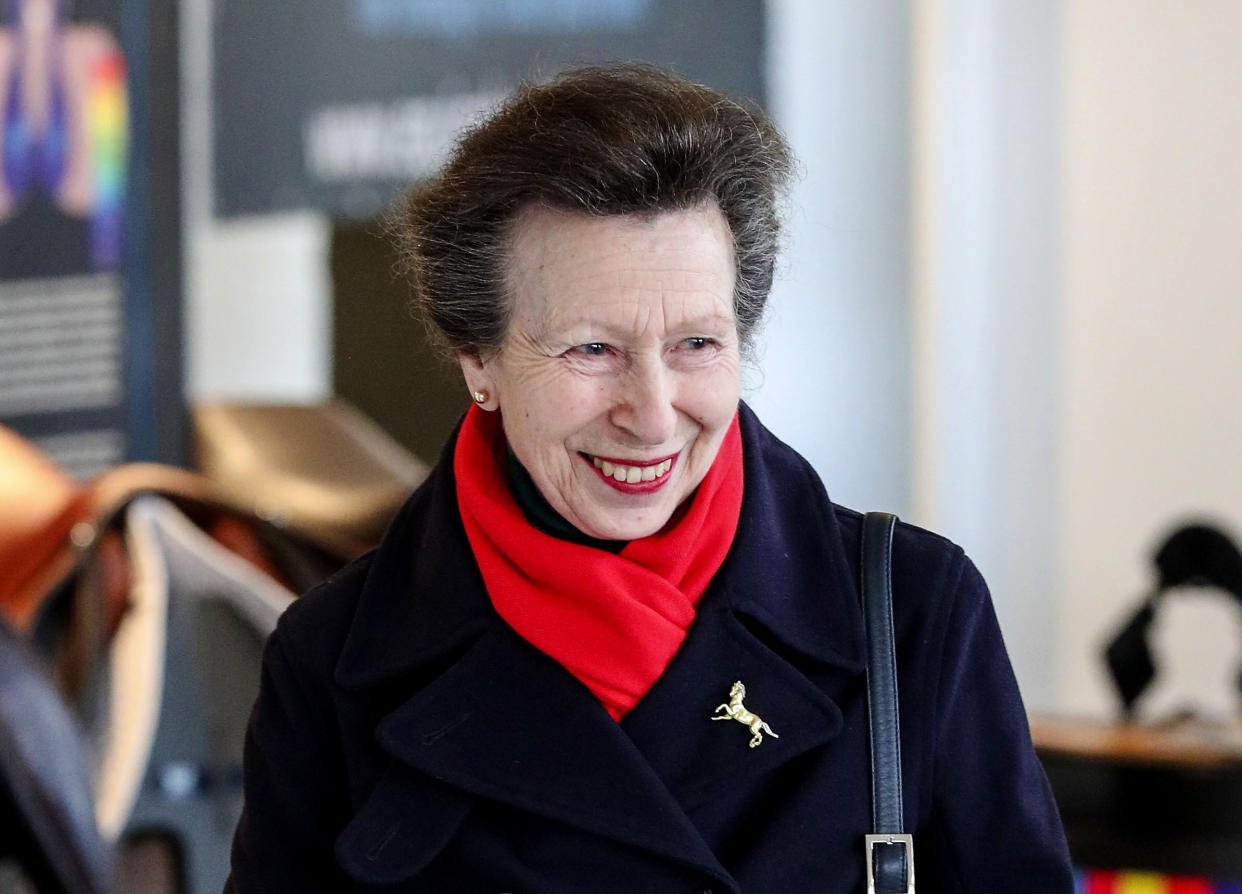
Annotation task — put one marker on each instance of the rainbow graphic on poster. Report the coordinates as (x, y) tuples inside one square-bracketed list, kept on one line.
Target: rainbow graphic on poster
[(1102, 881), (64, 141), (107, 126)]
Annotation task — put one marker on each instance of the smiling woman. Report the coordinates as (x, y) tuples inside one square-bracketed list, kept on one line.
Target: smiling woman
[(515, 691)]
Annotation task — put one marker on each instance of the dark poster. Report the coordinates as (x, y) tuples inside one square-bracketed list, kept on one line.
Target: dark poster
[(336, 104), (89, 230)]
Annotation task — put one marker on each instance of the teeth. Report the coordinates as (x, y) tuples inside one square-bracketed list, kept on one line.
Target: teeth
[(632, 474)]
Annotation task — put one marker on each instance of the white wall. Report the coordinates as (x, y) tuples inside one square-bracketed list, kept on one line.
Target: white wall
[(984, 287), (1152, 304), (259, 309), (1077, 313), (834, 366)]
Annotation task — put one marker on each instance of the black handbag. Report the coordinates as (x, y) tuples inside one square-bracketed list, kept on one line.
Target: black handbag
[(889, 850)]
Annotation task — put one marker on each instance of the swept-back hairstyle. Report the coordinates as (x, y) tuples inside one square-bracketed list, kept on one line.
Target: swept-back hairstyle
[(617, 139)]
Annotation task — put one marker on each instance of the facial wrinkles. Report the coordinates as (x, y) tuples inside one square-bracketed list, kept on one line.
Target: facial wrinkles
[(688, 293)]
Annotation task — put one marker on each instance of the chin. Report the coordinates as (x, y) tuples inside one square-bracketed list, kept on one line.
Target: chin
[(629, 530)]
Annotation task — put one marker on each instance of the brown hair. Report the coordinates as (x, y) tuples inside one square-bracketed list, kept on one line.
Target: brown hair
[(616, 139)]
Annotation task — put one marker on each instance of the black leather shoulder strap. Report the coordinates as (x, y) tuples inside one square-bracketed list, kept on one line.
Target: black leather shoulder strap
[(889, 852)]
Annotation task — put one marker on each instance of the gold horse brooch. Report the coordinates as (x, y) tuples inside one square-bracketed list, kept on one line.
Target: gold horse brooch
[(735, 710)]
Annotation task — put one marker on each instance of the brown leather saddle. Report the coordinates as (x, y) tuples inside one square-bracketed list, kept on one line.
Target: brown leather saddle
[(65, 575), (326, 469)]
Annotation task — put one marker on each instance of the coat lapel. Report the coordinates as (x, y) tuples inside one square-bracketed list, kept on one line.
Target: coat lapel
[(695, 754), (507, 723)]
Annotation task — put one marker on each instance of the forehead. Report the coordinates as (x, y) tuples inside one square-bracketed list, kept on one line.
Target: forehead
[(565, 266)]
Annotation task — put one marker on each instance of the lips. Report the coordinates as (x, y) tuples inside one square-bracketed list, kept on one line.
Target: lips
[(630, 477)]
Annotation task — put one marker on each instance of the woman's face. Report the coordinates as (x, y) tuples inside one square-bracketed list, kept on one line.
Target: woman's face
[(620, 371)]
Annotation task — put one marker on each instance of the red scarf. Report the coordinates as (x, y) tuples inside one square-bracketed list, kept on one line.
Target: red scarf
[(613, 621)]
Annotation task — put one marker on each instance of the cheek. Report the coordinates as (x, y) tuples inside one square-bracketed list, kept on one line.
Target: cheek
[(545, 428), (714, 401), (573, 405)]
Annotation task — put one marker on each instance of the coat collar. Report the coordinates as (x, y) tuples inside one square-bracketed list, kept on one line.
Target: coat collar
[(502, 721), (789, 571)]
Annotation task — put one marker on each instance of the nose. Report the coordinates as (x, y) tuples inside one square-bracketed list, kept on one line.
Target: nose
[(645, 404)]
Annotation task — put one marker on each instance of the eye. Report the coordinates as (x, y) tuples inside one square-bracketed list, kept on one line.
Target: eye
[(698, 344), (695, 351), (591, 349)]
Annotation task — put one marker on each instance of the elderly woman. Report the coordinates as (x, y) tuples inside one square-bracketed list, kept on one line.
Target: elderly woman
[(515, 691)]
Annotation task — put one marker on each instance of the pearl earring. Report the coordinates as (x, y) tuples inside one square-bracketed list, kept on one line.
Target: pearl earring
[(480, 397)]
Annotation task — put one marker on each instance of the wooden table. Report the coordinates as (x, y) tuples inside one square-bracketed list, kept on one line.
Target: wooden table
[(1163, 798)]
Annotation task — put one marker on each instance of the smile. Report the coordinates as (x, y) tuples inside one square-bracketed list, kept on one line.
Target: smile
[(633, 477)]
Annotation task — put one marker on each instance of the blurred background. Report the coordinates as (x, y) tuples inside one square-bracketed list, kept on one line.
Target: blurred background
[(1010, 309)]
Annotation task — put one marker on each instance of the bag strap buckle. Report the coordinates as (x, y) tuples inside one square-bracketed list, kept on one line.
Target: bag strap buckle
[(906, 843)]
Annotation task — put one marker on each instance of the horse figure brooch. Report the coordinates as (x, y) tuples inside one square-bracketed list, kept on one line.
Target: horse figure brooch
[(735, 710)]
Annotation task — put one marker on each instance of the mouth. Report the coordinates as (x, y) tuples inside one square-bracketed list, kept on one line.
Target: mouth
[(633, 477)]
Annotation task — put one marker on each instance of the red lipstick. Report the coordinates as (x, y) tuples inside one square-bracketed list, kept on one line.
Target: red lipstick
[(635, 478)]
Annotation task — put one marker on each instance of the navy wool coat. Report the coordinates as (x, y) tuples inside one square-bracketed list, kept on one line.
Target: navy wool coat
[(405, 739)]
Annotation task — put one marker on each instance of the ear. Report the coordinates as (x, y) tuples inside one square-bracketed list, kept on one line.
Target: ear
[(478, 379)]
